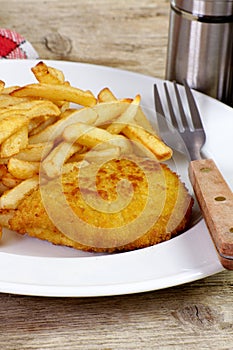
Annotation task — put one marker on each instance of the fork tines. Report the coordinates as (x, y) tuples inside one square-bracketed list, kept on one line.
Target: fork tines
[(183, 122), (188, 125)]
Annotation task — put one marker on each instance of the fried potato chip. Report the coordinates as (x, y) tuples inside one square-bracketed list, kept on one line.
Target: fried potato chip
[(22, 169), (32, 109), (8, 89), (35, 122), (109, 111), (90, 136), (86, 135), (13, 144), (9, 126), (127, 117), (37, 125), (48, 75), (35, 152), (10, 181), (56, 92), (160, 150), (106, 95), (62, 105), (102, 153), (7, 100), (142, 132), (3, 188), (2, 85), (52, 165), (11, 199), (87, 115), (3, 170)]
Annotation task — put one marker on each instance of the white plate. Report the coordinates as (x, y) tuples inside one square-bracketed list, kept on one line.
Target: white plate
[(33, 267)]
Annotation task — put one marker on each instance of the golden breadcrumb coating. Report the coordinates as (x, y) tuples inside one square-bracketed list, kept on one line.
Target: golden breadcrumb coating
[(151, 190)]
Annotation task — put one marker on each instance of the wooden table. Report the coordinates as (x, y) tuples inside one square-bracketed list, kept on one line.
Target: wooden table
[(131, 35)]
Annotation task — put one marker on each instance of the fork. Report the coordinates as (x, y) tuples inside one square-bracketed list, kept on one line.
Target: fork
[(213, 194)]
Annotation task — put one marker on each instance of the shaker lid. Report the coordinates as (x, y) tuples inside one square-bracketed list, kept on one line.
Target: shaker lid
[(205, 7)]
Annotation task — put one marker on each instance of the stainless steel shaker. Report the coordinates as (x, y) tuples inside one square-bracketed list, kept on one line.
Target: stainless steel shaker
[(200, 46)]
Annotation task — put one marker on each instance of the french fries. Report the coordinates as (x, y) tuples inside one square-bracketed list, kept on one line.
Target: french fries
[(53, 163), (48, 75), (35, 152), (11, 125), (32, 109), (87, 115), (15, 142), (9, 181), (151, 142), (127, 117), (137, 131), (11, 198), (86, 135), (22, 169), (40, 132), (6, 100), (56, 93), (106, 95), (37, 125), (109, 111)]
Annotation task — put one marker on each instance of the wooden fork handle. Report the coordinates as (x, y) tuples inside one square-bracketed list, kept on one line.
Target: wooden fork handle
[(215, 199)]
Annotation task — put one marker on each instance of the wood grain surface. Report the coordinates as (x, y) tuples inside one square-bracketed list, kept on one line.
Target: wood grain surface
[(131, 35)]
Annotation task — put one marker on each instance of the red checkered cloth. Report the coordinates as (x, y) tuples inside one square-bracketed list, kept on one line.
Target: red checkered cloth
[(13, 45)]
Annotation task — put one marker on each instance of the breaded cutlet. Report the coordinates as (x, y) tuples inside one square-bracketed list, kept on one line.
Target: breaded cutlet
[(154, 206)]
